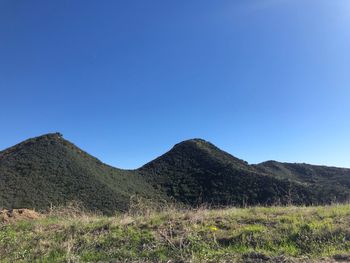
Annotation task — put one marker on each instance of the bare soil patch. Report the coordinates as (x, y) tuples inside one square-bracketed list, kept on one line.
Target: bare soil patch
[(7, 216)]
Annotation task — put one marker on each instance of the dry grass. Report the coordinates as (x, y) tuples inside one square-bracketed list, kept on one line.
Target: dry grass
[(149, 233), (7, 216)]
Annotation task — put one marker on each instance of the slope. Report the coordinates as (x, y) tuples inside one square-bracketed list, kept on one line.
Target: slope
[(50, 170), (329, 184), (196, 171)]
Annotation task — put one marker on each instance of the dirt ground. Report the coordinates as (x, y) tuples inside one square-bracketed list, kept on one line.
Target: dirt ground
[(7, 216)]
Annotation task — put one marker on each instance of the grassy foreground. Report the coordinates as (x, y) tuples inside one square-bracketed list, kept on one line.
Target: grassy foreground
[(259, 234)]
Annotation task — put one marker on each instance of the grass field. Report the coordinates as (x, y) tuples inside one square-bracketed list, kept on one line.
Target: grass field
[(257, 234)]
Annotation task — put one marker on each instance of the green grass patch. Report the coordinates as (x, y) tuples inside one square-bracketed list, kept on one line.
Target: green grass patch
[(202, 235)]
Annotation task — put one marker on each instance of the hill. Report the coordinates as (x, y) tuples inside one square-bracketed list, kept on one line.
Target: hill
[(256, 234), (196, 171), (329, 184), (49, 170)]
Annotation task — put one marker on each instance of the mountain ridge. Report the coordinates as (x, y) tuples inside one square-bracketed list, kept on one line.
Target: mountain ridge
[(59, 135), (49, 169)]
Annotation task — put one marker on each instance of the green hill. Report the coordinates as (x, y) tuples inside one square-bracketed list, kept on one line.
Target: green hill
[(49, 170), (196, 171), (329, 184)]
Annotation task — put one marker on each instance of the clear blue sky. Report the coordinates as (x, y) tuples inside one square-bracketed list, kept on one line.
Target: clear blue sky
[(125, 80)]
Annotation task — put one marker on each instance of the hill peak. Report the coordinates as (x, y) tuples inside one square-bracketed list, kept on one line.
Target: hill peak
[(202, 145), (52, 135), (55, 136), (50, 143), (49, 136), (195, 142), (196, 152)]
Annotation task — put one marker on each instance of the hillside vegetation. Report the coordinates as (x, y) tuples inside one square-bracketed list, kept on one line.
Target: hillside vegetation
[(48, 171), (256, 234), (196, 172), (328, 183)]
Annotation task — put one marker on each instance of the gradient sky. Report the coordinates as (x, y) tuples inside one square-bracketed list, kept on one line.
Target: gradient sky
[(125, 80)]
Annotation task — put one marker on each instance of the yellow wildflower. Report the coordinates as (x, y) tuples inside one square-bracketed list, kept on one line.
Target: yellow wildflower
[(214, 228)]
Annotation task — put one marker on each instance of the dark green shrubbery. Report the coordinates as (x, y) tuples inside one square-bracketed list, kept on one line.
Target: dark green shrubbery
[(48, 171), (196, 172)]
